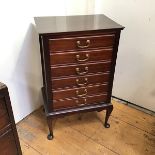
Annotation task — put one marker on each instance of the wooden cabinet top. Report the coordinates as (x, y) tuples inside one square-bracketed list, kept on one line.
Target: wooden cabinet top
[(56, 24)]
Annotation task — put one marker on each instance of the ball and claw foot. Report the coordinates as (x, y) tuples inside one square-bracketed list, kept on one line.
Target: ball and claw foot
[(49, 136), (107, 125)]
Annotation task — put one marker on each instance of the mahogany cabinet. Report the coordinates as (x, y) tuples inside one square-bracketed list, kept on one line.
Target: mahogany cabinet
[(78, 56), (9, 142)]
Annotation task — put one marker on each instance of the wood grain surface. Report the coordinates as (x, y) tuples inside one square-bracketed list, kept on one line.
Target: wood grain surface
[(70, 70), (84, 56), (66, 44), (132, 132), (71, 82), (74, 23)]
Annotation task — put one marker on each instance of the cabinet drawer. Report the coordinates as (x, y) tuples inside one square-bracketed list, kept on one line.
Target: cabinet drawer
[(76, 102), (78, 43), (80, 81), (80, 57), (80, 92), (8, 146), (2, 107), (4, 121), (4, 118), (82, 69)]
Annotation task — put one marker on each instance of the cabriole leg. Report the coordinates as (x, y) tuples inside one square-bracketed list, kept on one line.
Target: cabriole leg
[(50, 135), (108, 112)]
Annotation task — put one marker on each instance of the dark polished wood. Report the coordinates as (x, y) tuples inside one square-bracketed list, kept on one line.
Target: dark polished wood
[(75, 102), (71, 70), (3, 109), (75, 92), (4, 118), (8, 145), (81, 57), (76, 81), (4, 121), (79, 43), (57, 24), (78, 55), (9, 142)]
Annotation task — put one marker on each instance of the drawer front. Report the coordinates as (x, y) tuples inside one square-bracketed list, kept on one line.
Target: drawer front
[(7, 141), (83, 69), (76, 102), (80, 57), (4, 121), (2, 107), (4, 118), (80, 81), (80, 92), (78, 43)]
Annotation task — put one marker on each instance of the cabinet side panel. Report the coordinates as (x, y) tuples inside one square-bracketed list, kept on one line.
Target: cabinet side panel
[(46, 71), (42, 60), (5, 94), (113, 64)]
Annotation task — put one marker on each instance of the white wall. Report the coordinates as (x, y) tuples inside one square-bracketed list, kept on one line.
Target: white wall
[(135, 71), (20, 66)]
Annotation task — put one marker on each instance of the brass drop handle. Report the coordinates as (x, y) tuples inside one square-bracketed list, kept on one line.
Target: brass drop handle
[(82, 60), (82, 73), (82, 84), (83, 46), (85, 102), (81, 95)]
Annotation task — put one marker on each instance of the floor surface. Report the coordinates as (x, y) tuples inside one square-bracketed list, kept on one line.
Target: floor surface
[(132, 132)]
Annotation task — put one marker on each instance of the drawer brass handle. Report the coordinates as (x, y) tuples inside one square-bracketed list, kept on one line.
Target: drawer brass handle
[(83, 46), (81, 73), (85, 102), (82, 60), (81, 95), (82, 84)]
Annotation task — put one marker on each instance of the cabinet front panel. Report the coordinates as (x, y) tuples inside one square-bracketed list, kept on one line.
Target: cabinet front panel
[(4, 118), (8, 146), (78, 81), (80, 57), (2, 107), (80, 43), (4, 121), (82, 69), (80, 92), (76, 102)]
